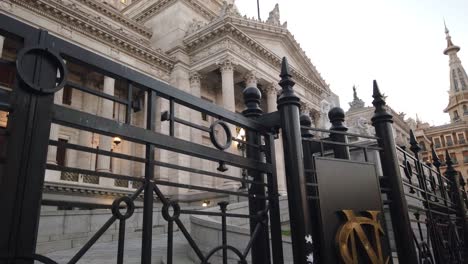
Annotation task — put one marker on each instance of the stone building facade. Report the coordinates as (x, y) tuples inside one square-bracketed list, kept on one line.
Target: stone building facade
[(450, 137), (203, 47)]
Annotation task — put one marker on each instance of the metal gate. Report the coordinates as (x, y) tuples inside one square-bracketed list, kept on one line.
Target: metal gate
[(42, 62)]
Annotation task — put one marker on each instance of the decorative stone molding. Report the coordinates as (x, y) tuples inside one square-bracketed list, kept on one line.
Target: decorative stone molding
[(195, 26), (226, 44), (226, 27), (160, 5), (118, 17), (67, 13), (305, 108)]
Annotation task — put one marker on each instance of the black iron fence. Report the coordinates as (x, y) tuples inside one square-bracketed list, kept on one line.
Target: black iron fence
[(45, 66)]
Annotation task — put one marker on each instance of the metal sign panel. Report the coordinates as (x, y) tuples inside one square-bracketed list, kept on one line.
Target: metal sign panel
[(351, 212)]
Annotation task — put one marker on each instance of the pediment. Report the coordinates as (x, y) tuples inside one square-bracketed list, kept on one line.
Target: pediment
[(282, 43)]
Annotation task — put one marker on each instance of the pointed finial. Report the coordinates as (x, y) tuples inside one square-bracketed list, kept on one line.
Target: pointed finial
[(284, 68), (287, 95), (446, 29), (414, 144), (448, 159), (435, 158), (380, 113)]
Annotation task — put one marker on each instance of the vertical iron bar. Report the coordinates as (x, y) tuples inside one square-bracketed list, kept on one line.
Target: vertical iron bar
[(120, 250), (459, 202), (382, 121), (366, 158), (273, 199), (128, 113), (170, 240), (171, 117), (309, 168), (260, 247), (337, 117), (223, 205), (288, 107), (28, 129), (149, 176)]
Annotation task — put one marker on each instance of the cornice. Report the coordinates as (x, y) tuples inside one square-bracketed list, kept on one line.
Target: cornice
[(160, 5), (118, 17), (199, 39), (70, 15)]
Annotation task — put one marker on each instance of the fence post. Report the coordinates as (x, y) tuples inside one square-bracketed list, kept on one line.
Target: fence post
[(288, 107), (382, 121), (337, 118), (312, 190), (260, 247), (456, 190)]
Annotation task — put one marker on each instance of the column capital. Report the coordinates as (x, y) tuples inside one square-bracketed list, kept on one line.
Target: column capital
[(195, 78), (271, 88), (226, 65), (251, 79)]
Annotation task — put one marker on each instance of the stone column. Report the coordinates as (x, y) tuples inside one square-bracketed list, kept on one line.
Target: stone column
[(271, 94), (2, 39), (105, 142), (227, 78), (196, 134), (228, 102)]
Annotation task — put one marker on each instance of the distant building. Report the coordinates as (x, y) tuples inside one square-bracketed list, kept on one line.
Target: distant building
[(358, 121), (452, 136)]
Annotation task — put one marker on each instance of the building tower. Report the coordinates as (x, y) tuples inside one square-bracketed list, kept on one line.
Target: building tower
[(458, 94)]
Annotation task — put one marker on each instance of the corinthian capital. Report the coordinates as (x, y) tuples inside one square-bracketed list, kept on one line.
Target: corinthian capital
[(251, 79), (195, 78), (271, 88), (226, 65)]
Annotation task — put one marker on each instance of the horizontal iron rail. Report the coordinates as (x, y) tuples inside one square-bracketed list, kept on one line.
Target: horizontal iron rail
[(338, 132), (155, 162), (193, 212), (116, 70), (96, 93), (77, 119), (341, 143)]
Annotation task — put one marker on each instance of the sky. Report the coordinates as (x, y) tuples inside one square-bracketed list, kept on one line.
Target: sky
[(399, 43)]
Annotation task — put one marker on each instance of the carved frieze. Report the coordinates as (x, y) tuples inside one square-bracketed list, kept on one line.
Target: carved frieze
[(226, 44)]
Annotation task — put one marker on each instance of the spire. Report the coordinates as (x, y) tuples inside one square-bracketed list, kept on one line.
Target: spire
[(450, 46), (357, 103), (458, 81)]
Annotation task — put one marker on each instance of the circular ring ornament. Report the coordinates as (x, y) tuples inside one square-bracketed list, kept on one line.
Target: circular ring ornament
[(165, 211), (116, 208), (215, 140), (50, 57)]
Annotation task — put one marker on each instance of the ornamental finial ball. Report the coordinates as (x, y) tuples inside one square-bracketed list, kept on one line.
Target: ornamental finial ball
[(336, 114)]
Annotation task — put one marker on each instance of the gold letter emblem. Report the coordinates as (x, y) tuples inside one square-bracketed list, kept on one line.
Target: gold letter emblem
[(347, 233)]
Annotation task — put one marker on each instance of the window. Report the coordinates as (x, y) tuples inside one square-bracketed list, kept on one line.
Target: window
[(455, 80), (455, 115), (61, 152), (454, 158), (67, 95), (422, 145), (462, 80), (465, 110), (204, 115), (465, 156), (461, 138), (7, 75), (437, 143), (449, 140)]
